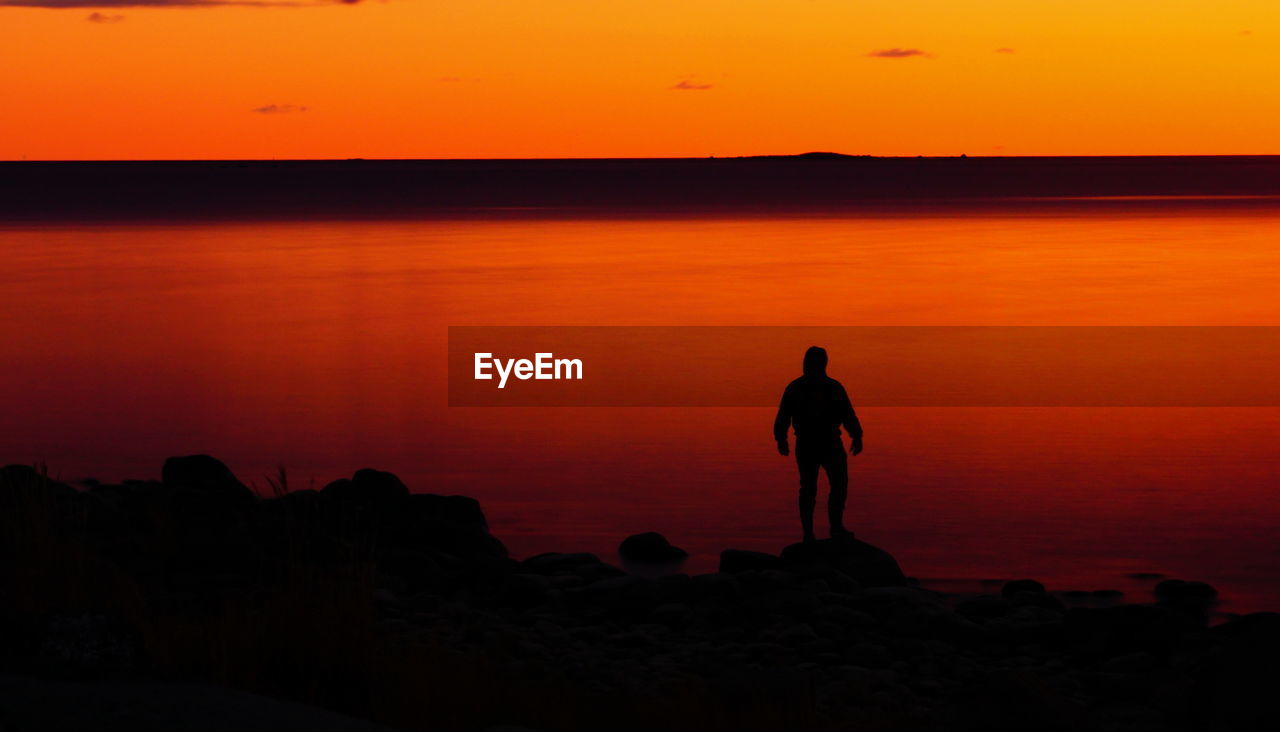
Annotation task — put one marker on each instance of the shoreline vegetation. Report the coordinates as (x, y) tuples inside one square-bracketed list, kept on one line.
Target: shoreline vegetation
[(369, 600)]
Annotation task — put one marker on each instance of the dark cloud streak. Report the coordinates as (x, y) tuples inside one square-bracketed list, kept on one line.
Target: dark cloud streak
[(279, 109), (896, 53), (142, 4)]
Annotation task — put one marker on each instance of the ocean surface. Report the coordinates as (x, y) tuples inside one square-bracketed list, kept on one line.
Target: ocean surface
[(320, 345)]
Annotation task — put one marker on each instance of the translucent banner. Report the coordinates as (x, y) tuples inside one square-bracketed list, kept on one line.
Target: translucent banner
[(907, 366)]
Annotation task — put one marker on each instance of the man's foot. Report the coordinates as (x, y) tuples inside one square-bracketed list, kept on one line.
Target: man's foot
[(840, 532), (809, 538)]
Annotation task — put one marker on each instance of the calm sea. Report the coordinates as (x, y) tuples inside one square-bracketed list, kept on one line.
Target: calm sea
[(321, 346)]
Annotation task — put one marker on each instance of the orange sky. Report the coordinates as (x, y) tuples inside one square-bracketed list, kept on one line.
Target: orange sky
[(600, 78)]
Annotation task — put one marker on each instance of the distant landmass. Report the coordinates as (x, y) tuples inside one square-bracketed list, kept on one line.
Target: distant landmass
[(771, 183), (811, 156)]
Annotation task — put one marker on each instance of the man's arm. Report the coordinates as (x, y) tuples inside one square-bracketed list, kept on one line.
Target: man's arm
[(782, 423), (849, 419)]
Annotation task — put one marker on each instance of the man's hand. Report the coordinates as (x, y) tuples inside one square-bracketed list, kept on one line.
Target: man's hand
[(855, 447), (783, 448)]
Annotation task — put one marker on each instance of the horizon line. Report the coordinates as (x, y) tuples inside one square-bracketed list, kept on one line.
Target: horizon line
[(826, 155)]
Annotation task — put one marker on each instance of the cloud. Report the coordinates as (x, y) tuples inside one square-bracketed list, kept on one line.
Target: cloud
[(279, 109), (688, 85), (896, 53), (71, 4), (1004, 50), (100, 18)]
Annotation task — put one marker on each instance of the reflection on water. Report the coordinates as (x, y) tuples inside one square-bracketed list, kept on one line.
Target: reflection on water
[(323, 347)]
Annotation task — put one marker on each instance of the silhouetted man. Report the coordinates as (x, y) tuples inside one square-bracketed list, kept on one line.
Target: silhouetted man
[(816, 405)]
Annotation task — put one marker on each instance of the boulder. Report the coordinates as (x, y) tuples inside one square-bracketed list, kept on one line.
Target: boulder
[(1013, 702), (741, 560), (1124, 629), (714, 587), (524, 591), (203, 473), (1192, 599), (650, 547), (368, 486), (87, 646), (454, 525), (1028, 592), (915, 612), (984, 607), (1022, 585), (460, 510), (1028, 623), (552, 563), (869, 565), (401, 523), (1238, 688)]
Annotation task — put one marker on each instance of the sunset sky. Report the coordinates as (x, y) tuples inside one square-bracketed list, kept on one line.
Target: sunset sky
[(622, 78)]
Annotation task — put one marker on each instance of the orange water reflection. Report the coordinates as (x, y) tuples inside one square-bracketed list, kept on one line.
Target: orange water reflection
[(322, 346)]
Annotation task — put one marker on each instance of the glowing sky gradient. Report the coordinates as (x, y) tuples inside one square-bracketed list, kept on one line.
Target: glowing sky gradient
[(586, 78)]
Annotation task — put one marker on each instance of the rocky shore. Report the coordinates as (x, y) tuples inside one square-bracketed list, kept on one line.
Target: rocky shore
[(401, 608)]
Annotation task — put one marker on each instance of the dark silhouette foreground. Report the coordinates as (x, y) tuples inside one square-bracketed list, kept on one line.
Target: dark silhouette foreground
[(817, 405), (401, 607)]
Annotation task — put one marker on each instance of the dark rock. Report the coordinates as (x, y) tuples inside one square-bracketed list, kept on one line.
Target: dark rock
[(418, 522), (454, 525), (1023, 585), (741, 560), (301, 502), (984, 607), (400, 522), (368, 486), (1240, 683), (461, 510), (870, 655), (88, 646), (558, 563), (672, 588), (715, 587), (1028, 623), (650, 547), (621, 583), (1124, 629), (622, 596), (579, 568), (797, 633), (524, 590), (1193, 599), (670, 613), (202, 473), (869, 565), (1037, 599), (843, 616), (912, 611), (1015, 702)]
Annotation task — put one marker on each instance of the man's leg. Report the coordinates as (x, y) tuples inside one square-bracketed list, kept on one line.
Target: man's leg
[(808, 466), (837, 466)]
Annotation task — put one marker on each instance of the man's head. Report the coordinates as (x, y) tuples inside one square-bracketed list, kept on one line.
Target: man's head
[(815, 361)]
